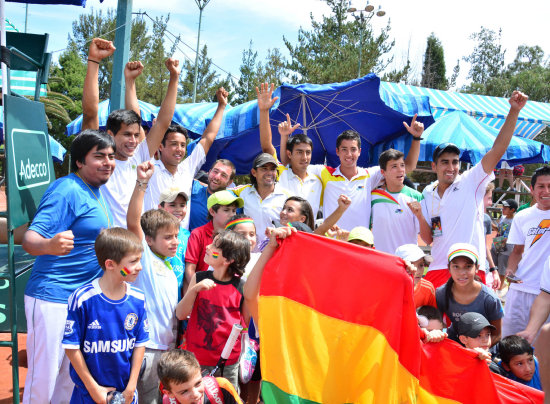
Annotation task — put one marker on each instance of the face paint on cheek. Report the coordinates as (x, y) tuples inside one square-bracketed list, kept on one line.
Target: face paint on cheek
[(215, 255), (124, 271)]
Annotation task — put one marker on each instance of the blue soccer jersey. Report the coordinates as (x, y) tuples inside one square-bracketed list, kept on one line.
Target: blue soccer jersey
[(106, 332)]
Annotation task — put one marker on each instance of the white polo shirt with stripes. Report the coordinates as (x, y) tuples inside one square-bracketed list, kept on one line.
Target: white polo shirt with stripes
[(311, 188)]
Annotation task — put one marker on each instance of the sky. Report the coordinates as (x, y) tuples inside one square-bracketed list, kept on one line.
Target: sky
[(229, 26)]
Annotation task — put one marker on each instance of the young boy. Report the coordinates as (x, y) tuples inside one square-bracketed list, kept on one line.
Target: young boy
[(361, 236), (158, 231), (501, 250), (106, 329), (433, 317), (221, 205), (517, 359), (474, 332), (214, 300), (180, 375), (424, 291)]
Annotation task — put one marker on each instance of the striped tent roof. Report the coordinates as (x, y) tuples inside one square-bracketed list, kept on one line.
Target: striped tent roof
[(21, 82), (491, 111)]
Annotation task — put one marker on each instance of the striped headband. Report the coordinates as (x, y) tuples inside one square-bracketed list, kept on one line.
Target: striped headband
[(461, 252), (235, 222)]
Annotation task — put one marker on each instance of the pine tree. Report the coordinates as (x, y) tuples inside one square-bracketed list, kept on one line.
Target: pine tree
[(433, 71)]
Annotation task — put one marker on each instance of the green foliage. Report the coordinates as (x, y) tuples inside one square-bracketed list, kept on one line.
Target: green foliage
[(249, 79), (487, 59), (433, 70), (274, 70), (329, 52), (207, 79)]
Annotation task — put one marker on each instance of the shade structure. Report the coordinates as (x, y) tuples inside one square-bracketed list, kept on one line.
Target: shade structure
[(148, 113), (58, 151), (66, 2), (323, 111), (474, 140), (491, 111)]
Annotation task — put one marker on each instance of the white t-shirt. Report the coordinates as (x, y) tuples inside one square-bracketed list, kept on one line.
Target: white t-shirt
[(254, 257), (263, 212), (310, 188), (545, 279), (461, 211), (162, 179), (358, 189), (531, 228), (160, 286), (118, 190), (393, 223)]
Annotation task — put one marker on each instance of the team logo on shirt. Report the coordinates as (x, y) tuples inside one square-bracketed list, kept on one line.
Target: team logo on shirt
[(94, 325), (398, 210), (69, 327), (131, 321), (538, 231), (146, 325)]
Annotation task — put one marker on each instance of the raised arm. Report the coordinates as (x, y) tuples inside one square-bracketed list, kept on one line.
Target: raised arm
[(265, 102), (285, 130), (343, 204), (133, 216), (213, 127), (99, 50), (251, 288), (492, 157), (416, 129), (131, 73), (166, 111)]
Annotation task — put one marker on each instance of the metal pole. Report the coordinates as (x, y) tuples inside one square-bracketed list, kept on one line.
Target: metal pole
[(3, 42), (26, 15), (361, 21), (201, 7), (122, 44)]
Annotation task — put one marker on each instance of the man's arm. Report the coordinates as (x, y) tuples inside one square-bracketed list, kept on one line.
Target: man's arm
[(416, 129), (166, 111), (285, 130), (133, 216), (213, 127), (137, 360), (97, 392), (540, 310), (265, 102), (60, 244), (493, 156), (99, 50), (514, 259), (131, 73)]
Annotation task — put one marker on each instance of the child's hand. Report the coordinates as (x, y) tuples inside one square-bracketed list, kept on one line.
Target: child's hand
[(483, 354), (435, 336), (205, 284), (145, 171), (99, 393), (344, 201), (128, 396), (410, 268)]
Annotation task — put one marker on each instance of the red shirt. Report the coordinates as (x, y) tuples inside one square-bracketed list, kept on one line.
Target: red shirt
[(424, 294), (196, 246)]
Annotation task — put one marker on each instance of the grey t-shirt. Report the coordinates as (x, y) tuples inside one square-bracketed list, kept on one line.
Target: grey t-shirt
[(486, 303)]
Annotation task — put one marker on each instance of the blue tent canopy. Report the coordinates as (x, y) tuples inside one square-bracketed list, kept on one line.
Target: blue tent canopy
[(491, 111), (323, 111), (474, 140), (148, 113)]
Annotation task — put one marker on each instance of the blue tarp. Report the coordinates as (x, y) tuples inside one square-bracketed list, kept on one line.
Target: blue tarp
[(474, 140), (66, 2)]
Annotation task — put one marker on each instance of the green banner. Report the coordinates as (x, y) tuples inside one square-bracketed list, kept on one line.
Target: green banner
[(29, 167)]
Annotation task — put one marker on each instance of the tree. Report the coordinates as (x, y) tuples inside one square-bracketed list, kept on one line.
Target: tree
[(207, 79), (433, 71), (487, 58), (329, 52), (249, 79), (274, 70)]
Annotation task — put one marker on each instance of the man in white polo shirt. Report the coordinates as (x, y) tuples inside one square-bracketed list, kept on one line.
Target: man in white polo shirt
[(294, 177), (453, 205), (264, 198), (530, 234), (171, 170)]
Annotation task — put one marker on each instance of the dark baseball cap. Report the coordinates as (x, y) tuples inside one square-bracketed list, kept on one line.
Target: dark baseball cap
[(262, 159), (445, 148), (471, 324), (511, 203)]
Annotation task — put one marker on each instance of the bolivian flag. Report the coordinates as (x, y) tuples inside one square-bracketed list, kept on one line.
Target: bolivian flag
[(338, 325)]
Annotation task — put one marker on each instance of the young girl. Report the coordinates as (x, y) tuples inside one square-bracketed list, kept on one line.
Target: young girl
[(244, 225), (214, 300), (463, 293)]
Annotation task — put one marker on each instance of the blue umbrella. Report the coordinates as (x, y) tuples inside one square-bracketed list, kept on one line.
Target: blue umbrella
[(148, 113), (58, 151), (474, 140), (324, 111)]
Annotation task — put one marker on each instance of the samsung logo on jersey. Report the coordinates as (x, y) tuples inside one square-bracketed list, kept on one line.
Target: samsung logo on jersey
[(118, 345)]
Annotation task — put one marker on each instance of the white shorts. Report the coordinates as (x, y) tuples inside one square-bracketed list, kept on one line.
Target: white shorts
[(48, 377), (516, 311)]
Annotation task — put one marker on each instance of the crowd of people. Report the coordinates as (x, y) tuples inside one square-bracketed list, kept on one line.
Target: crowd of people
[(142, 270)]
